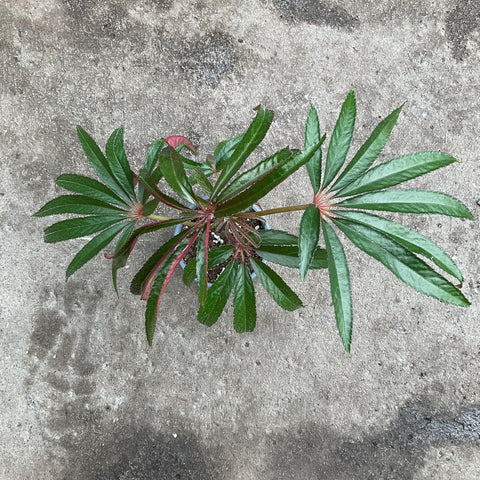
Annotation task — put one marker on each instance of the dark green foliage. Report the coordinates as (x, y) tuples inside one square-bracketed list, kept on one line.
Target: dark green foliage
[(213, 198)]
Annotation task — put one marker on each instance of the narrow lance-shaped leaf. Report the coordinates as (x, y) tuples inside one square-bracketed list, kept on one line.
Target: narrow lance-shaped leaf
[(187, 237), (149, 165), (159, 286), (244, 309), (275, 286), (117, 159), (90, 187), (174, 173), (414, 241), (120, 257), (267, 183), (189, 164), (402, 263), (308, 238), (277, 237), (79, 204), (252, 176), (202, 264), (149, 207), (369, 151), (148, 182), (151, 310), (396, 171), (341, 139), (218, 295), (138, 283), (79, 227), (409, 201), (287, 256), (94, 246), (339, 284), (100, 164), (215, 256), (126, 248), (251, 139), (313, 136), (224, 151), (199, 177)]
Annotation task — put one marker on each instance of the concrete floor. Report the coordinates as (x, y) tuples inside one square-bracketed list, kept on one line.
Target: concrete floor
[(84, 397)]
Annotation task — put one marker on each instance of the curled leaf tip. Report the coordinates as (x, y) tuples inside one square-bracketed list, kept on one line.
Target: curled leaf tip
[(177, 140)]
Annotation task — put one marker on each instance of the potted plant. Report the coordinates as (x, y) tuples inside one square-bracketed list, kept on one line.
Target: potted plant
[(223, 237)]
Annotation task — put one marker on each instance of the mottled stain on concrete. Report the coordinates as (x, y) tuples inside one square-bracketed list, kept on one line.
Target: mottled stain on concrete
[(134, 452), (47, 327), (81, 298), (209, 59), (316, 13), (461, 22), (396, 453), (96, 23), (99, 439), (61, 336)]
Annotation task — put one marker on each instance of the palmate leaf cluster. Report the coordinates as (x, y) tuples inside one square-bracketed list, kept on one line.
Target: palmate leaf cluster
[(213, 197)]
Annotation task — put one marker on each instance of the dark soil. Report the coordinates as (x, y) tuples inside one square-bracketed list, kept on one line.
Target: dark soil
[(216, 240)]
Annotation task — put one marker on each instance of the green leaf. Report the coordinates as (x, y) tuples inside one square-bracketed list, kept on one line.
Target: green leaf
[(78, 227), (90, 187), (138, 282), (402, 263), (409, 201), (369, 151), (117, 159), (94, 246), (152, 303), (287, 256), (125, 236), (267, 183), (339, 284), (100, 164), (121, 255), (76, 204), (275, 286), (277, 237), (174, 173), (149, 183), (251, 176), (152, 156), (149, 165), (190, 272), (312, 137), (408, 238), (253, 136), (244, 309), (202, 266), (341, 139), (215, 256), (124, 251), (189, 164), (224, 151), (200, 178), (150, 207), (308, 238), (396, 171), (218, 295)]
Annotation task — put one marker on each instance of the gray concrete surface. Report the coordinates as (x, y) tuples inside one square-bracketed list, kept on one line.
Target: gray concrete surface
[(82, 395)]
